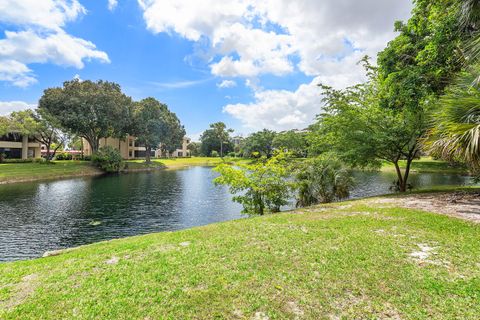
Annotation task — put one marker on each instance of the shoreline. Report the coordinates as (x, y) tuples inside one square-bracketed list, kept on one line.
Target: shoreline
[(132, 167)]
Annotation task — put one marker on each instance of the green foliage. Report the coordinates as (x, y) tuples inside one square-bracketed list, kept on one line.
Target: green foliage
[(214, 154), (292, 141), (260, 187), (417, 65), (259, 142), (108, 159), (91, 110), (155, 124), (456, 131), (194, 148), (217, 138), (63, 156), (42, 127), (322, 180), (363, 133)]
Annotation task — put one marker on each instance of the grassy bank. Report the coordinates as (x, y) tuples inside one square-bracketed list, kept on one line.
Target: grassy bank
[(428, 165), (18, 172), (358, 259), (23, 172)]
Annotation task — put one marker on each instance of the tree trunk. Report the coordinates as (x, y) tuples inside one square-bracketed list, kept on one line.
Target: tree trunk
[(221, 149), (402, 185), (94, 142), (48, 152), (147, 154)]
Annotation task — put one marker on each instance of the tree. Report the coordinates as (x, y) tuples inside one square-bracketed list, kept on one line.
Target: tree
[(221, 133), (194, 148), (91, 110), (322, 181), (43, 128), (260, 187), (155, 124), (260, 142), (4, 125), (456, 131), (216, 138), (363, 134), (293, 141), (175, 133)]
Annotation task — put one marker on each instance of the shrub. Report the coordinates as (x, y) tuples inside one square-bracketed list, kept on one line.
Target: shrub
[(2, 157), (231, 154), (214, 154), (63, 156), (322, 181), (260, 187), (29, 160), (108, 159)]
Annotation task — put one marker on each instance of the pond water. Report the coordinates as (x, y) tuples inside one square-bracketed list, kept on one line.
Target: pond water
[(41, 216)]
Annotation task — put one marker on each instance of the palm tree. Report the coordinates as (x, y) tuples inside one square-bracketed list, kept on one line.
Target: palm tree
[(456, 126), (469, 20), (322, 181)]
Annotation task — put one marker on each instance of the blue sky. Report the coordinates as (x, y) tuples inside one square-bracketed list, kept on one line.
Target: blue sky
[(181, 51)]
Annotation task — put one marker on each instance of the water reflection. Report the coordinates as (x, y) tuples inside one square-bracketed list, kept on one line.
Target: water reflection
[(41, 216)]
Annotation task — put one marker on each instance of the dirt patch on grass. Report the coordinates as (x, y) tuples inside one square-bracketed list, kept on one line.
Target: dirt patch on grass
[(464, 205), (21, 291)]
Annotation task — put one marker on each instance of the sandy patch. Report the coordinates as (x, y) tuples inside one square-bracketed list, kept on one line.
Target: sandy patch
[(21, 291), (464, 205)]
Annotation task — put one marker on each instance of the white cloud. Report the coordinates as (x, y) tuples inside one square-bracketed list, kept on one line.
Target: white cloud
[(48, 14), (279, 109), (177, 84), (227, 84), (7, 107), (15, 72), (112, 4), (41, 38), (247, 38)]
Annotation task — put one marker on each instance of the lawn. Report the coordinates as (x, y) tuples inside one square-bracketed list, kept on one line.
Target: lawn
[(357, 259), (427, 164), (15, 172), (18, 172)]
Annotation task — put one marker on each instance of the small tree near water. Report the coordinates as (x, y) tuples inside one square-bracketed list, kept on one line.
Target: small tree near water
[(108, 159), (260, 187), (322, 181)]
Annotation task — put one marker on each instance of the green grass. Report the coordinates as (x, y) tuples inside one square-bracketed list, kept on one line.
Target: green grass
[(14, 172), (20, 172), (194, 161), (427, 164), (348, 260)]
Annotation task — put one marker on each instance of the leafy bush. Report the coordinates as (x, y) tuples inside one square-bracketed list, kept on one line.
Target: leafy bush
[(87, 158), (108, 159), (29, 160), (63, 156), (322, 181), (2, 157), (231, 154), (214, 154), (260, 187)]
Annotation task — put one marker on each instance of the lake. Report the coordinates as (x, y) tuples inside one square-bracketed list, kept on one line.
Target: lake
[(42, 216)]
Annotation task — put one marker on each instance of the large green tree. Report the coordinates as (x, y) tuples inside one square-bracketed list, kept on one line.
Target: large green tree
[(363, 134), (43, 128), (216, 138), (260, 143), (292, 141), (91, 110), (155, 124), (385, 118)]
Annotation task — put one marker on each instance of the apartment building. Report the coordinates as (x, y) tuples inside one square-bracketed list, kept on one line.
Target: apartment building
[(129, 148), (17, 146)]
